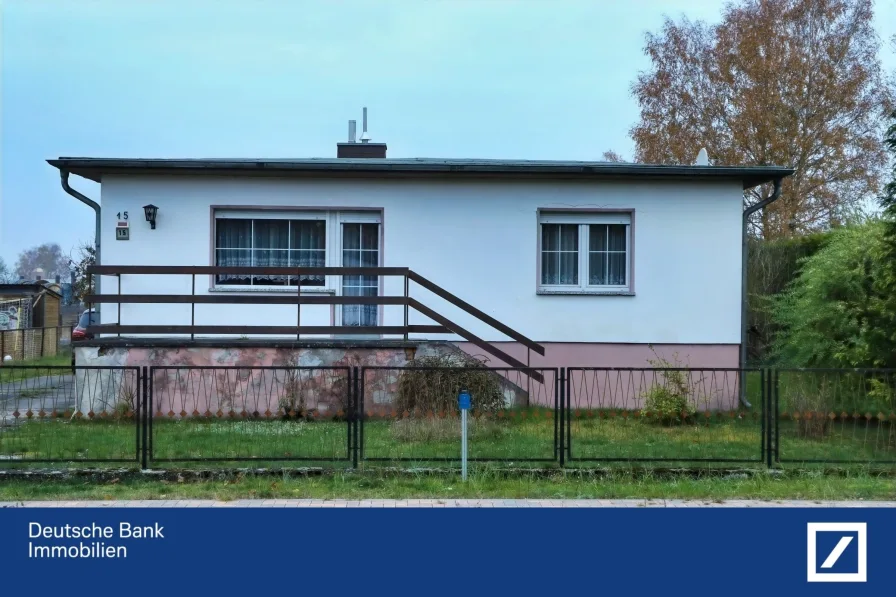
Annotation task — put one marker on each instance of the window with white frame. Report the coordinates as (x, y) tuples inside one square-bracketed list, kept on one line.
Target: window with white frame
[(584, 252), (270, 238)]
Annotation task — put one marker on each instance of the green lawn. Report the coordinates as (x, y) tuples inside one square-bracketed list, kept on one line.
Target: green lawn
[(514, 439), (618, 484), (9, 372)]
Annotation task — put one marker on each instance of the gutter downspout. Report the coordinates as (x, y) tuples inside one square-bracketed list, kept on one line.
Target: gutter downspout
[(96, 208), (776, 194)]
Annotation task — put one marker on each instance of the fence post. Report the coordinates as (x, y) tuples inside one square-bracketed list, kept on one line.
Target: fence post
[(138, 419), (774, 414), (359, 446), (560, 437), (2, 345), (769, 421), (147, 412), (353, 430), (763, 407)]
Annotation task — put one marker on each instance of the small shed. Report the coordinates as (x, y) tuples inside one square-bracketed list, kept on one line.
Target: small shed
[(30, 305)]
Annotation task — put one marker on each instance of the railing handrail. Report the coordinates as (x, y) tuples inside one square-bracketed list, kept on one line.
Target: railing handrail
[(484, 317), (471, 337), (299, 299), (115, 270), (282, 330), (253, 299)]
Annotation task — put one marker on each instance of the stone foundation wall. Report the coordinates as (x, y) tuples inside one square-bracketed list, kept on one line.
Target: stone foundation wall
[(257, 381)]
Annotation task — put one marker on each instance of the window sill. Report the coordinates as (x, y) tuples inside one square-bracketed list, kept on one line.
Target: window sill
[(271, 290), (581, 292)]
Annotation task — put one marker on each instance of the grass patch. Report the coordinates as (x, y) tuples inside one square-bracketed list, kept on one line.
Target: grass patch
[(618, 485), (64, 439), (8, 371), (445, 430), (528, 435)]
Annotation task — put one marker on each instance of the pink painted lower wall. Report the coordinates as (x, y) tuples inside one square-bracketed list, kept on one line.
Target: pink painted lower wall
[(710, 387), (581, 354)]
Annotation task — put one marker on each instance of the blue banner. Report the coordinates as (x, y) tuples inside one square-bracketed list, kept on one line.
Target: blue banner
[(420, 552)]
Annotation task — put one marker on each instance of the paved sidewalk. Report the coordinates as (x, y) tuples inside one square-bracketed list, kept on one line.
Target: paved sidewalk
[(450, 503)]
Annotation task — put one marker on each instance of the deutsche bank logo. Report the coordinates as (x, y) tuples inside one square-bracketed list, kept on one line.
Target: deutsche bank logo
[(837, 551)]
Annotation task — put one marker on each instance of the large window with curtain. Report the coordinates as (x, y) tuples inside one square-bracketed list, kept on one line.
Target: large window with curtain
[(584, 252), (270, 242)]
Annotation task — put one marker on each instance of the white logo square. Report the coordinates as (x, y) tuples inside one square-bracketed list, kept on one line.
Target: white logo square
[(816, 573)]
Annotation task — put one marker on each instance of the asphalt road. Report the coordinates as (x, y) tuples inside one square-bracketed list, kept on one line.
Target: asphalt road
[(47, 392)]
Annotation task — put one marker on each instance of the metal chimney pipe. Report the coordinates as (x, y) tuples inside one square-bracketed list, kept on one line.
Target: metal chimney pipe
[(364, 136), (352, 127)]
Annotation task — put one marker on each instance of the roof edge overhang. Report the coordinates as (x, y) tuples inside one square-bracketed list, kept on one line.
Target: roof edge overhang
[(26, 289), (95, 168)]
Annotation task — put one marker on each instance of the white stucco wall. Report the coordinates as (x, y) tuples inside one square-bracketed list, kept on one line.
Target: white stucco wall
[(476, 239)]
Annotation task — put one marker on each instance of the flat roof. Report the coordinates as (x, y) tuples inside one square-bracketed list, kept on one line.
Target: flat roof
[(26, 289), (95, 168)]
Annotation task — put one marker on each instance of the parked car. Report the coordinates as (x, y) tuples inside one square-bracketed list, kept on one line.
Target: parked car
[(88, 318)]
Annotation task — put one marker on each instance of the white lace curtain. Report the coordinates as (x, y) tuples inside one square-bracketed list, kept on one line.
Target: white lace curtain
[(270, 243)]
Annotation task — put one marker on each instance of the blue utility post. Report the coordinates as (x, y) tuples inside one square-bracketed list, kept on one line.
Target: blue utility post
[(463, 401)]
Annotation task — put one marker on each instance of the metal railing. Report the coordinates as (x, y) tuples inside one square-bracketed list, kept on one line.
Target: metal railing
[(443, 324)]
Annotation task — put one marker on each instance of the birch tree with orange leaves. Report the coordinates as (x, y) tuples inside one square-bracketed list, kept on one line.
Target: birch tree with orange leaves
[(778, 82)]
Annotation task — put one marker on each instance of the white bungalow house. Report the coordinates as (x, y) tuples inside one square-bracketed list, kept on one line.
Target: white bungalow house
[(596, 263)]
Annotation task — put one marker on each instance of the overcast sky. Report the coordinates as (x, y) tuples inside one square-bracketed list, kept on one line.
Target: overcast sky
[(226, 78)]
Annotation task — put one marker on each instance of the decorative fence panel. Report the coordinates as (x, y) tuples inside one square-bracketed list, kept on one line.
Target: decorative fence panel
[(371, 416), (410, 414), (835, 416), (250, 413), (60, 414), (681, 415)]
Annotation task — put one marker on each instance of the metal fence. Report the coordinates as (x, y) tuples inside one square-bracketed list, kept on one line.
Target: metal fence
[(672, 414), (249, 414), (65, 414), (410, 414), (835, 416), (374, 416)]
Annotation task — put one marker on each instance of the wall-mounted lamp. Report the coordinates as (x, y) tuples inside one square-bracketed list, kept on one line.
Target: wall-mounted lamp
[(150, 211)]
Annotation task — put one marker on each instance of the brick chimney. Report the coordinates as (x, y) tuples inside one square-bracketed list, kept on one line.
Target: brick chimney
[(364, 149)]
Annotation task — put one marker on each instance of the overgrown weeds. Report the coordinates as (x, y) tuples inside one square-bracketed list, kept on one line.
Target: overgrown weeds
[(432, 384)]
